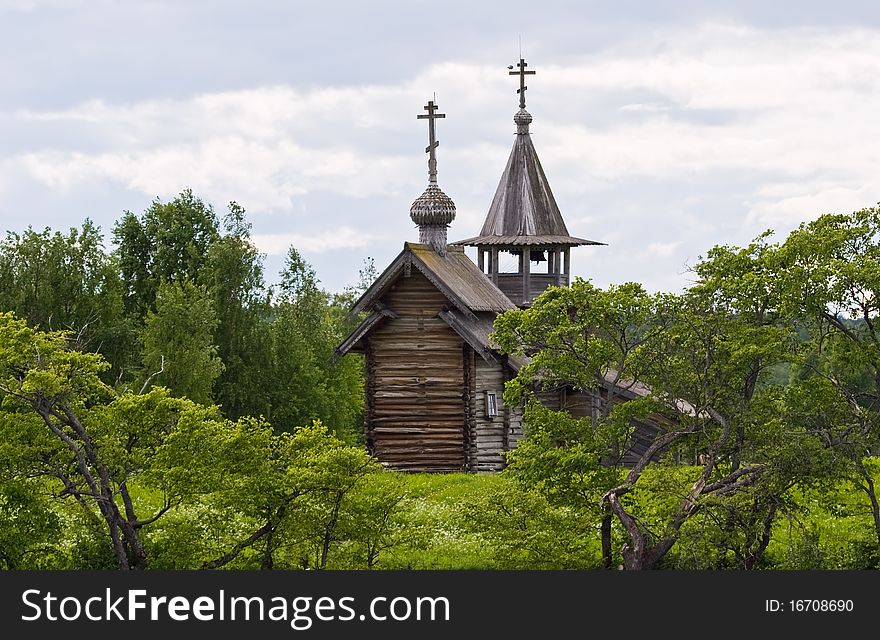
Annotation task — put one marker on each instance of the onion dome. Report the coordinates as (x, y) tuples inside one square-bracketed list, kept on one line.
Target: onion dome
[(522, 120), (432, 207)]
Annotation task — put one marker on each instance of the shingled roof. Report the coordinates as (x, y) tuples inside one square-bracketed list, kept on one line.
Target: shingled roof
[(454, 274), (524, 211)]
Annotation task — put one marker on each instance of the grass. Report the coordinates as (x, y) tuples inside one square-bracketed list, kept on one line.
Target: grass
[(831, 529), (448, 543)]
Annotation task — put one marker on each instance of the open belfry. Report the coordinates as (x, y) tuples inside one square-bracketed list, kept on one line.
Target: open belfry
[(434, 379)]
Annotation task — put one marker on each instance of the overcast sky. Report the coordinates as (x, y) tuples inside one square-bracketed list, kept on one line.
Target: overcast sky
[(662, 132)]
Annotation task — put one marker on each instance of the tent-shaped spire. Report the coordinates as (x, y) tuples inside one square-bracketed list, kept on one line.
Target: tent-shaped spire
[(524, 211), (524, 220)]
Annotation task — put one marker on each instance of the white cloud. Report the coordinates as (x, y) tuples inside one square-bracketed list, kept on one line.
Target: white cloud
[(662, 249), (31, 5), (275, 244), (789, 105), (736, 125), (648, 107)]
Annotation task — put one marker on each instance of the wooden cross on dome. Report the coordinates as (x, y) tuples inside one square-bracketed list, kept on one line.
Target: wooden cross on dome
[(432, 115), (522, 73)]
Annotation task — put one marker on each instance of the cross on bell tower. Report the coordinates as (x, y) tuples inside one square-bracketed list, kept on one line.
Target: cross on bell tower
[(524, 219), (522, 73), (432, 115)]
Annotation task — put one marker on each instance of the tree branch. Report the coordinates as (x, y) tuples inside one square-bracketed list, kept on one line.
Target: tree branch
[(153, 375)]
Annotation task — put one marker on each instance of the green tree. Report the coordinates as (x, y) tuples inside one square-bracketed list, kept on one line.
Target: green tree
[(169, 242), (29, 528), (378, 518), (308, 382), (182, 241), (233, 274), (60, 422), (67, 282), (178, 338), (294, 498), (527, 531), (589, 339), (832, 282), (705, 358)]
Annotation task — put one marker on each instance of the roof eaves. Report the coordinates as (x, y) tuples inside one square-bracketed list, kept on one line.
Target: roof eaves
[(375, 290), (485, 350), (361, 330)]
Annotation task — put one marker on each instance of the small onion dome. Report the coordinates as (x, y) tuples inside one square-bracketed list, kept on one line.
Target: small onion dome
[(432, 207), (522, 118)]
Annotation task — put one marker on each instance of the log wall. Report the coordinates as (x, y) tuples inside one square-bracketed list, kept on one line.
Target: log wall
[(417, 395), (490, 437)]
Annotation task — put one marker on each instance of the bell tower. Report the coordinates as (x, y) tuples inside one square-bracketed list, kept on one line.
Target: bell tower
[(524, 221)]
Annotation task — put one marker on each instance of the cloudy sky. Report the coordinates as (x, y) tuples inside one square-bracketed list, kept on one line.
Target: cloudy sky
[(662, 132)]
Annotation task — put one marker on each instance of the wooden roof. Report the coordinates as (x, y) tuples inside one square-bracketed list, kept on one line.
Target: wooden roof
[(454, 274), (351, 342), (475, 298), (544, 240), (524, 210), (476, 331)]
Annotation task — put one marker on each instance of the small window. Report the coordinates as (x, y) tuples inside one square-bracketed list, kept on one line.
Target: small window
[(491, 405)]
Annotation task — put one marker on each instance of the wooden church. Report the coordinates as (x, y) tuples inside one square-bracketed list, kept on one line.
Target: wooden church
[(434, 379)]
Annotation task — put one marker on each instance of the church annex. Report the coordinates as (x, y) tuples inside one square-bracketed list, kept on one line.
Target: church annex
[(434, 380)]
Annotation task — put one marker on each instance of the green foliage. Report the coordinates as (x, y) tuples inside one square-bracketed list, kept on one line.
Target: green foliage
[(525, 531), (562, 458), (447, 537), (29, 528), (379, 519), (38, 366), (577, 335), (169, 242), (309, 383), (179, 341), (66, 282), (700, 361), (765, 375), (233, 274)]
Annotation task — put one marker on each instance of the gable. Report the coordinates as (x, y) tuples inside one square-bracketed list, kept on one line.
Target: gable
[(454, 275), (420, 279)]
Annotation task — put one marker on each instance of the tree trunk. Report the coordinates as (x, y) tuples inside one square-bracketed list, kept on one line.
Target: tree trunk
[(755, 555), (869, 489), (268, 562), (607, 553), (328, 532)]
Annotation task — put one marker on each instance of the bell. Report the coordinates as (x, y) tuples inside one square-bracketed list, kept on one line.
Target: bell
[(537, 256)]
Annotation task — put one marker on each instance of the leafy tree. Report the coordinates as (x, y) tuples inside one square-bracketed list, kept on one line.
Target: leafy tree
[(179, 341), (62, 423), (67, 282), (589, 339), (295, 495), (341, 470), (527, 531), (378, 518), (29, 528), (704, 356), (309, 383), (831, 284), (170, 241), (233, 274)]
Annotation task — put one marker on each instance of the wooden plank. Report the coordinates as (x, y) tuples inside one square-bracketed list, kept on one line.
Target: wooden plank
[(418, 414)]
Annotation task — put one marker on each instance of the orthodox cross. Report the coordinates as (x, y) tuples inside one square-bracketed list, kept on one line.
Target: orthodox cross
[(432, 115), (522, 73)]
